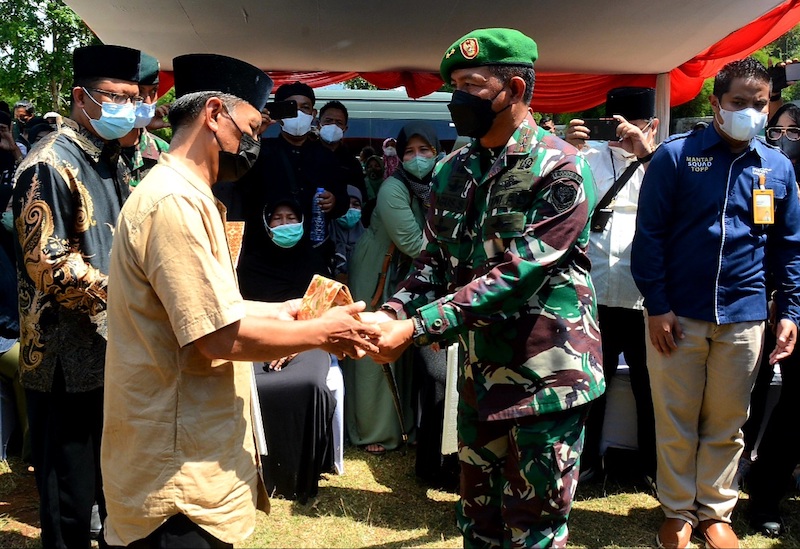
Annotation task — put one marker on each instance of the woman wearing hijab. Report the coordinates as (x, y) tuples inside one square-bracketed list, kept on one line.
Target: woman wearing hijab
[(297, 404), (397, 222), (390, 158)]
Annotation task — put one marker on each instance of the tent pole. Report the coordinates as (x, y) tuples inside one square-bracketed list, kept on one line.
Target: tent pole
[(662, 105)]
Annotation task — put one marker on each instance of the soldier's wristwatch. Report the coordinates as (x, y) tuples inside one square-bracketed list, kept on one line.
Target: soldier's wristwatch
[(420, 335)]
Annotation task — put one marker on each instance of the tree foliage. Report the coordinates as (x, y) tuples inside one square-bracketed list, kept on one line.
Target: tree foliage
[(37, 38), (358, 83)]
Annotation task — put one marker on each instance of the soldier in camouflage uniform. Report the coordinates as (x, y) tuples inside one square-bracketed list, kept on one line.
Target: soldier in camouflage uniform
[(504, 270), (142, 149)]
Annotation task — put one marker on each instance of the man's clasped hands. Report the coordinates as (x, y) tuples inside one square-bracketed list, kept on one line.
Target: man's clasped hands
[(354, 333)]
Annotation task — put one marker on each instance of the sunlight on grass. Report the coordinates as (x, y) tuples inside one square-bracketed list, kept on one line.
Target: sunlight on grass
[(379, 503), (376, 502)]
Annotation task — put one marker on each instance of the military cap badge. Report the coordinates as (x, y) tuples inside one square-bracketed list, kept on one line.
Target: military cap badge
[(470, 48)]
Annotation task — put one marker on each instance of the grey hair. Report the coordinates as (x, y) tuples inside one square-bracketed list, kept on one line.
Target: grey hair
[(188, 107)]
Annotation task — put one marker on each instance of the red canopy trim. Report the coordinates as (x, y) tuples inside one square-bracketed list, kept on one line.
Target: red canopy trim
[(570, 92)]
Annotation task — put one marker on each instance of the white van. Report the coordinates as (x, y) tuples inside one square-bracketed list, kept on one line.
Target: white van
[(375, 115)]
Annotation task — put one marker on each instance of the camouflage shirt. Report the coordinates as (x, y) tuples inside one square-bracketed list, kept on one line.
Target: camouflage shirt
[(143, 156), (504, 267), (69, 191)]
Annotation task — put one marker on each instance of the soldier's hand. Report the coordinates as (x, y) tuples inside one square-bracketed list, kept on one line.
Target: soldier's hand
[(576, 133), (378, 317), (396, 337), (347, 336), (159, 118), (664, 329)]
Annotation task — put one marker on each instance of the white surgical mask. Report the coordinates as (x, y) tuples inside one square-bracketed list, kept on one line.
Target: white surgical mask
[(742, 125), (390, 151), (144, 114), (299, 125), (115, 120), (331, 133)]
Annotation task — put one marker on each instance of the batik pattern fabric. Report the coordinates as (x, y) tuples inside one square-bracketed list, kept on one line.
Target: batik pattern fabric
[(504, 268), (68, 194)]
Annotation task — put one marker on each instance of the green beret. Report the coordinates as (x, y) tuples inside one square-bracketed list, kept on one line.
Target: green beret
[(489, 47), (148, 70)]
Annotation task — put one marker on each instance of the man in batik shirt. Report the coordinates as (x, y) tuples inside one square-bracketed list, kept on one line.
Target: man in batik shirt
[(69, 191)]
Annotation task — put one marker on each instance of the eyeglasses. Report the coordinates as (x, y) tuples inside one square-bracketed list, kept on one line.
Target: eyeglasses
[(792, 133), (118, 98)]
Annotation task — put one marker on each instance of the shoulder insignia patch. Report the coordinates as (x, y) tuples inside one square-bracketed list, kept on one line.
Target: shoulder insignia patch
[(562, 195), (567, 174)]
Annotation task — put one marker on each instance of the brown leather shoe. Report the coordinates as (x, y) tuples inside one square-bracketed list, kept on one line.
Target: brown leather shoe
[(718, 534), (674, 534)]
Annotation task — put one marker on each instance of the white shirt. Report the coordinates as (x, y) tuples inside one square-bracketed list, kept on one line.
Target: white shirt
[(610, 251)]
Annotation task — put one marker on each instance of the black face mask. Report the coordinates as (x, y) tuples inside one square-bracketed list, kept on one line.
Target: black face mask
[(233, 166), (789, 148), (472, 115)]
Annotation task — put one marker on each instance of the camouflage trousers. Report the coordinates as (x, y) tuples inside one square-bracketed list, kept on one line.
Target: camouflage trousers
[(518, 478)]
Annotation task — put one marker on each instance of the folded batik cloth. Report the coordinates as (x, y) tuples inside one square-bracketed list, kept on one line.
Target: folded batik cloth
[(234, 230), (322, 294)]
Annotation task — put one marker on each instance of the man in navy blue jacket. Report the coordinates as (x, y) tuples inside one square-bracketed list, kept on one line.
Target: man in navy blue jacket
[(718, 210)]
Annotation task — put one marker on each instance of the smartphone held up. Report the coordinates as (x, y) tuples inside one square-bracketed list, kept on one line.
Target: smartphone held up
[(278, 110), (602, 129)]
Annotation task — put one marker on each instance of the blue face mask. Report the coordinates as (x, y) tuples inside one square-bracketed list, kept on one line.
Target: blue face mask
[(115, 120), (144, 114), (419, 166), (350, 219), (288, 235)]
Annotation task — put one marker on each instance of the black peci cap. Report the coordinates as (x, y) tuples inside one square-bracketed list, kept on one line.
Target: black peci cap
[(295, 88), (200, 72), (103, 61)]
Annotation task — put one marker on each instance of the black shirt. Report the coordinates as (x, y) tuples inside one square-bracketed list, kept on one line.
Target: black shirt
[(352, 167), (285, 171)]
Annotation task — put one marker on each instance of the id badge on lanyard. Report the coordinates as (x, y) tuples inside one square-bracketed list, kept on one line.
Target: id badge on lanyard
[(763, 204)]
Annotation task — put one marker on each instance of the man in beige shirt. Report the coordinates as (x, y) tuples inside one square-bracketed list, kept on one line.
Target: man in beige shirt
[(178, 450)]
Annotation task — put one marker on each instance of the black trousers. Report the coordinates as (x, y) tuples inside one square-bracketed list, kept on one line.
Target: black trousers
[(179, 532), (65, 431), (779, 450), (622, 331)]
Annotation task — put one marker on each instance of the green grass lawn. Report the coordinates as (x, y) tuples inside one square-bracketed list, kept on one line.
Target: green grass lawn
[(379, 503)]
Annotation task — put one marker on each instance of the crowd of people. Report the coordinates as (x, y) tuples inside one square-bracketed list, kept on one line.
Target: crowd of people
[(143, 340)]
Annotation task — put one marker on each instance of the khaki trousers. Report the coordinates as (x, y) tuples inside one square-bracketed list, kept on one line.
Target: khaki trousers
[(701, 398)]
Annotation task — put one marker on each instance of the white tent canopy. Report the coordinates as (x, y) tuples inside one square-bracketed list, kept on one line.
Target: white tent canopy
[(620, 37), (585, 47)]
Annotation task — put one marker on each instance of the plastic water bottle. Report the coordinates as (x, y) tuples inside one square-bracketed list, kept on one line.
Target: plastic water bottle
[(318, 232)]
